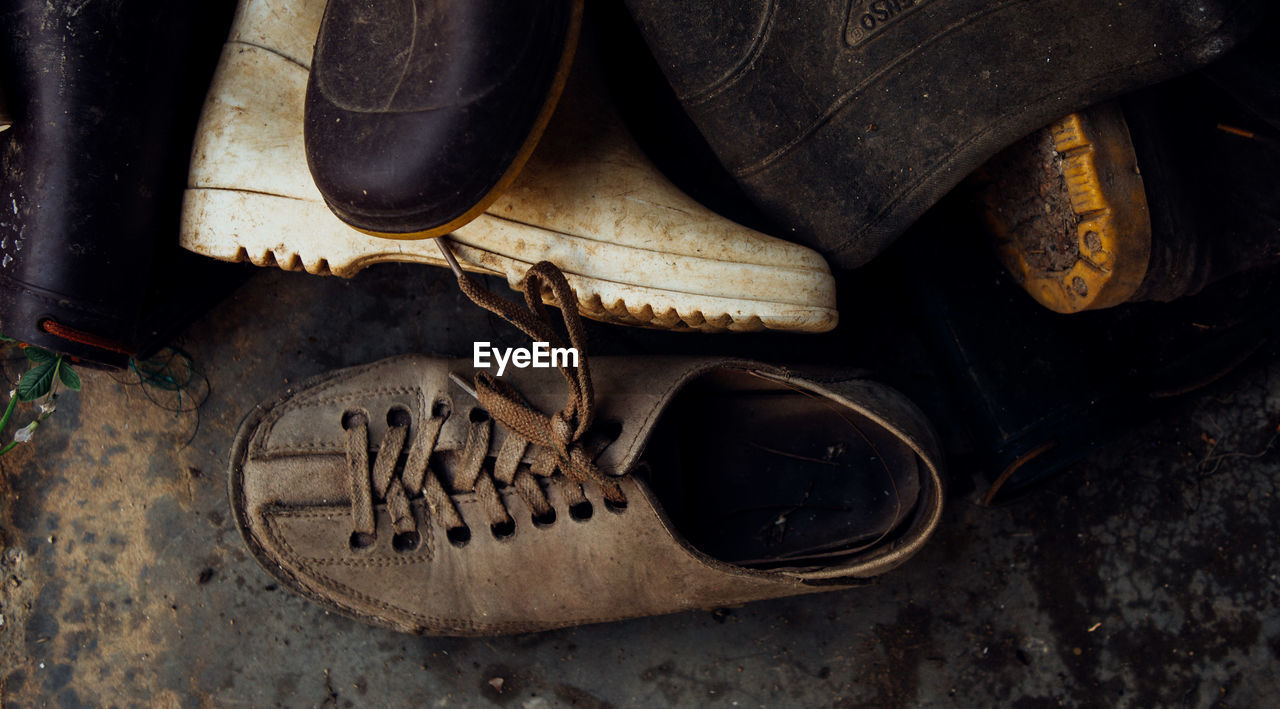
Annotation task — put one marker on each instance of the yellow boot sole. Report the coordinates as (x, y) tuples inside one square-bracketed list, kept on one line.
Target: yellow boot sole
[(1068, 211)]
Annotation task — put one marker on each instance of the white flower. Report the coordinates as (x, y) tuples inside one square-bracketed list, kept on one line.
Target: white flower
[(47, 408), (24, 434)]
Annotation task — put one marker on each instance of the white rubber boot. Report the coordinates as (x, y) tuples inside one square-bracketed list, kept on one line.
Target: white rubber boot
[(637, 250)]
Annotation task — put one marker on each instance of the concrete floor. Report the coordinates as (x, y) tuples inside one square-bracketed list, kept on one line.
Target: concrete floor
[(1144, 576)]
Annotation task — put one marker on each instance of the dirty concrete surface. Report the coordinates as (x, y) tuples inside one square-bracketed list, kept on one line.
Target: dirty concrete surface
[(1144, 576)]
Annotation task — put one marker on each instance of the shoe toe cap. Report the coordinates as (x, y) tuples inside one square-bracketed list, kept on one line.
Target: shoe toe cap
[(416, 113), (406, 172)]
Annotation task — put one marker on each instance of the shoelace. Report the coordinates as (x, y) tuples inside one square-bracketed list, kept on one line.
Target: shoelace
[(558, 437)]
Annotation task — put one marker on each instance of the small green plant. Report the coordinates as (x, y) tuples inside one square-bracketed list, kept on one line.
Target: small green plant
[(39, 382)]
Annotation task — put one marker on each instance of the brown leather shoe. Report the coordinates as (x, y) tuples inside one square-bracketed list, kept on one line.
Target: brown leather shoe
[(702, 483)]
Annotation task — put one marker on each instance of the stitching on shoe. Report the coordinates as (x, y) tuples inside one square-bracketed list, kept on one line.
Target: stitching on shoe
[(273, 513), (268, 426), (302, 448), (265, 556), (287, 400), (333, 585), (427, 621), (432, 621)]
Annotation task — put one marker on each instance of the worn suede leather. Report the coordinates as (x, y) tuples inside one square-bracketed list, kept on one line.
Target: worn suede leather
[(290, 491)]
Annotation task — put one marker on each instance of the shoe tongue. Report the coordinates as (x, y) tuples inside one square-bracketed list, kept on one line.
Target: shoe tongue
[(629, 394)]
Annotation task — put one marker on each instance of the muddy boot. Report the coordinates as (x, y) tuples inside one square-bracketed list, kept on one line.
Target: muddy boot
[(846, 120), (1150, 198), (104, 99)]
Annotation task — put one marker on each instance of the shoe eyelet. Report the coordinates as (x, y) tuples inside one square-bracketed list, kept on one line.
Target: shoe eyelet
[(405, 542), (441, 408), (354, 417), (616, 507), (399, 416), (545, 520), (458, 536), (503, 530), (582, 511), (362, 542)]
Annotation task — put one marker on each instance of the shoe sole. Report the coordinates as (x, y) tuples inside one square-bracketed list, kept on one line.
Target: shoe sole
[(1068, 212), (636, 249)]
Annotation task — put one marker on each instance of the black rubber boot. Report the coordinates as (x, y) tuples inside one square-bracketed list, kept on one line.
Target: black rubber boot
[(846, 119), (104, 97), (1020, 393), (419, 113), (1212, 174)]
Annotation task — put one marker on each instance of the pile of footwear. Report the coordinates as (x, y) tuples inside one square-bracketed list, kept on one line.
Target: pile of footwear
[(690, 167)]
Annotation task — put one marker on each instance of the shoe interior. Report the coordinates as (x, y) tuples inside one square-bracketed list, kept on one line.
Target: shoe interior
[(756, 473)]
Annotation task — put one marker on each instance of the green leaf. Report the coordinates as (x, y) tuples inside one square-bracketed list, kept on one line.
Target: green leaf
[(37, 381), (6, 338), (39, 355), (69, 378)]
